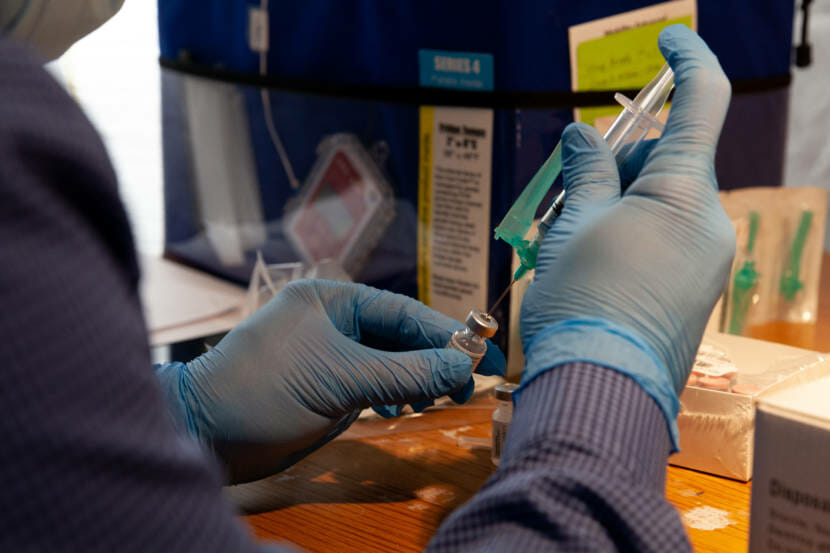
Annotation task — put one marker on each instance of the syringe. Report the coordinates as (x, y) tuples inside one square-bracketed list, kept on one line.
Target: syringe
[(635, 121)]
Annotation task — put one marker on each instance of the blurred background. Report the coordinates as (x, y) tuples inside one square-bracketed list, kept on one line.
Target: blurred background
[(212, 168), (115, 75)]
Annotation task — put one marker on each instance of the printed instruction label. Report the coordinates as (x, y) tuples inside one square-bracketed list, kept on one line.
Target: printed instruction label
[(454, 179), (460, 70)]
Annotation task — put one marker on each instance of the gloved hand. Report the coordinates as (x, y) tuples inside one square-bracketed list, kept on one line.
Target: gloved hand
[(296, 373), (627, 280)]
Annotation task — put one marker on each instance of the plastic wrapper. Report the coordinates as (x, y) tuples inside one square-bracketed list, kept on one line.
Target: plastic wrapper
[(717, 407), (772, 292), (268, 280)]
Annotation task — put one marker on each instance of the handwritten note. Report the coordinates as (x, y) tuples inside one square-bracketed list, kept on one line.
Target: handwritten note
[(620, 51)]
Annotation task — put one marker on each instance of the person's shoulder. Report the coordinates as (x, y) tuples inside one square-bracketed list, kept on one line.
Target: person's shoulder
[(14, 53), (50, 151), (23, 79), (38, 116)]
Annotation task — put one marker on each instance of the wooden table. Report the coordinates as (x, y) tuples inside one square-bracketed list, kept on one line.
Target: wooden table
[(386, 485)]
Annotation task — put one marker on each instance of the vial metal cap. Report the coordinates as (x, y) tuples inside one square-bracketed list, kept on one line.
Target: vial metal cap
[(504, 391), (482, 324)]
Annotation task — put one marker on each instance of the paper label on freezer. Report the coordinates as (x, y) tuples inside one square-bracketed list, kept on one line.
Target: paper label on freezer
[(620, 52), (459, 70), (456, 152)]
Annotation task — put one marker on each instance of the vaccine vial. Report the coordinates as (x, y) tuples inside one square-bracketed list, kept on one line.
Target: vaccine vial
[(471, 339), (501, 419)]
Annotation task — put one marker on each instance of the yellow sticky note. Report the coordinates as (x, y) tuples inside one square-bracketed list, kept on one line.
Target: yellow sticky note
[(628, 59), (620, 51)]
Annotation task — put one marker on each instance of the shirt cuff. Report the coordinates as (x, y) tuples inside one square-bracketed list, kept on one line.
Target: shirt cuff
[(596, 408)]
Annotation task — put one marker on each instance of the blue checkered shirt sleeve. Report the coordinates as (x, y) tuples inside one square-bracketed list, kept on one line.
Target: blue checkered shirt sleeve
[(583, 469), (90, 459)]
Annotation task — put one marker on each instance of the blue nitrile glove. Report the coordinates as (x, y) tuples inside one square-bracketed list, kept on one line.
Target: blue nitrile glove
[(628, 280), (296, 373)]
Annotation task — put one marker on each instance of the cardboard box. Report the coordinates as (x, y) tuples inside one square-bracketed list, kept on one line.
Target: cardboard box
[(791, 491), (716, 427)]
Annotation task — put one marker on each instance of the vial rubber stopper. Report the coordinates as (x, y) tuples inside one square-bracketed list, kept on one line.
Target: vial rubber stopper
[(482, 324)]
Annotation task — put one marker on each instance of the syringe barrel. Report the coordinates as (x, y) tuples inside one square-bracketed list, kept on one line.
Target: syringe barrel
[(629, 128), (549, 217), (640, 115)]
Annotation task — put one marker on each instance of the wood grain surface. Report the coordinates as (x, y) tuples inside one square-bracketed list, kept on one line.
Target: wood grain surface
[(386, 485)]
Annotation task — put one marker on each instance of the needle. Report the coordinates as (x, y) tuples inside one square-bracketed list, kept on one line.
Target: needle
[(503, 294)]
